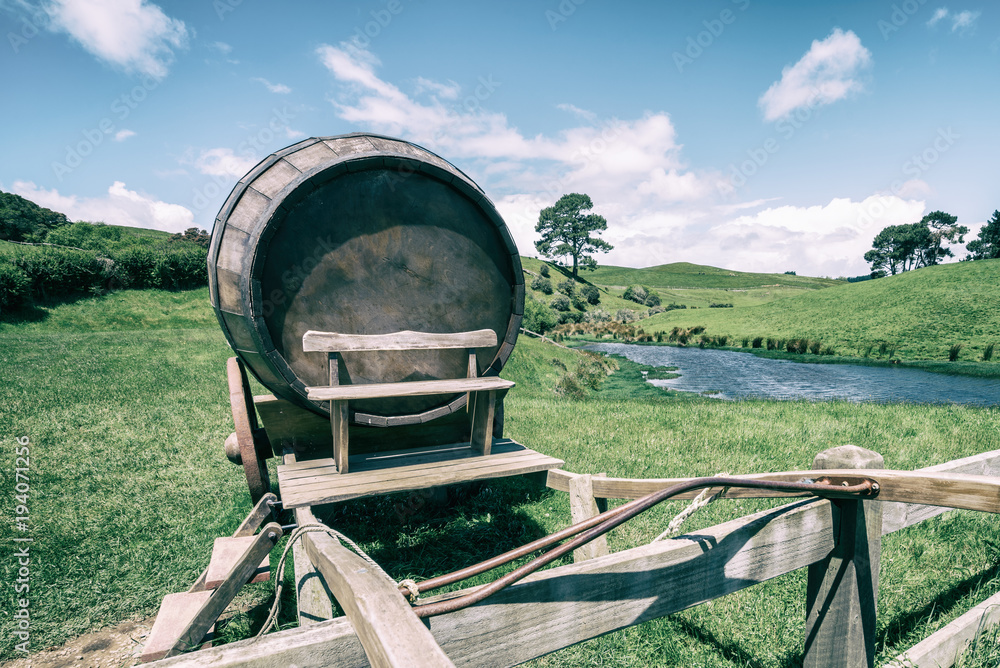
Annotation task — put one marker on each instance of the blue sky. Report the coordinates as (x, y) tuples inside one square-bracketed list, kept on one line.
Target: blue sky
[(752, 135)]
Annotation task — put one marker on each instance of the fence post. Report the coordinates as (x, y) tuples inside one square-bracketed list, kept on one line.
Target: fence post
[(842, 588), (583, 506)]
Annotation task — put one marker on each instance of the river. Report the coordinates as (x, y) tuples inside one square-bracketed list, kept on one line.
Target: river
[(724, 374)]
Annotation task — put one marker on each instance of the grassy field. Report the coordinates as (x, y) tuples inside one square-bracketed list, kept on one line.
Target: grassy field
[(124, 401), (922, 313), (687, 275)]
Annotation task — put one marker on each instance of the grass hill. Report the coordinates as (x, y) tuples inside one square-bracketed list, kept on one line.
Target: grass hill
[(687, 275), (682, 283), (922, 312)]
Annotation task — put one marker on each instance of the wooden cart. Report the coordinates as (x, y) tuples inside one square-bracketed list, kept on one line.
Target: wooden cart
[(373, 288)]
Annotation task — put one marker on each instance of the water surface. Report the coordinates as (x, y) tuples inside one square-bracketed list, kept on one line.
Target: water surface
[(732, 375)]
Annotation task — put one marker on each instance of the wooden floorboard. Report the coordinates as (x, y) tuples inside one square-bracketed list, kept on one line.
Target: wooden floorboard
[(317, 481)]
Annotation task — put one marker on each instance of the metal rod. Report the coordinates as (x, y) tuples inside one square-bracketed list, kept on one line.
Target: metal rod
[(589, 530)]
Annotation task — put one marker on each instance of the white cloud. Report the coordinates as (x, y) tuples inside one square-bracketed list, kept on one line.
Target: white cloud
[(826, 73), (133, 34), (659, 209), (960, 21), (963, 20), (940, 13), (223, 162), (122, 135), (446, 91), (274, 88), (294, 134), (121, 206), (222, 47)]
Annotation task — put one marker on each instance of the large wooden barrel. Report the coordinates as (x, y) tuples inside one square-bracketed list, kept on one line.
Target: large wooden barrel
[(362, 234)]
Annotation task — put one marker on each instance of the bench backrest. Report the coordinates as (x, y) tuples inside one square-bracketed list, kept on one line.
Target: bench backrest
[(313, 341)]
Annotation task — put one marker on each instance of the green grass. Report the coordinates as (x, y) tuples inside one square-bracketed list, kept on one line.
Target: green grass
[(127, 409), (687, 275), (923, 312)]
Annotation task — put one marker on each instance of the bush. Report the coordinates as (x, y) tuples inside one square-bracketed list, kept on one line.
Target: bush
[(181, 268), (134, 267), (953, 352), (598, 315), (579, 303), (567, 287), (15, 286), (814, 347), (570, 316), (720, 306), (591, 294), (543, 285), (544, 271), (636, 293), (771, 343), (569, 387), (625, 315), (757, 340), (561, 303), (537, 317), (746, 342), (652, 299), (988, 353), (721, 341), (55, 272)]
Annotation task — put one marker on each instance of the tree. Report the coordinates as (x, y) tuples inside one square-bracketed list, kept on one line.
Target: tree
[(22, 219), (942, 227), (987, 245), (566, 228), (898, 248)]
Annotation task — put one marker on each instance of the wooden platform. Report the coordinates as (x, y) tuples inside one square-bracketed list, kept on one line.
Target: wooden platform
[(316, 481)]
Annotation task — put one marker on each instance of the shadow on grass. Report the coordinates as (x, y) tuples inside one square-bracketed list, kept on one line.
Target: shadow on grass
[(894, 632), (421, 535)]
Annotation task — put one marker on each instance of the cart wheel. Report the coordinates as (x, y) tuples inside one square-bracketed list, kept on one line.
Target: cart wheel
[(254, 446)]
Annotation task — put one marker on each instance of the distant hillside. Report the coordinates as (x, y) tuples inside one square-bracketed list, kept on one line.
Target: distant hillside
[(924, 312), (687, 275)]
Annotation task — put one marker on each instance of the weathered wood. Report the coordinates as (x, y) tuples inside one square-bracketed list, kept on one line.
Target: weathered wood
[(313, 599), (249, 526), (942, 648), (483, 407), (313, 341), (559, 607), (583, 506), (226, 552), (896, 516), (339, 430), (175, 613), (177, 637), (390, 632), (317, 481), (842, 589), (409, 389), (951, 490)]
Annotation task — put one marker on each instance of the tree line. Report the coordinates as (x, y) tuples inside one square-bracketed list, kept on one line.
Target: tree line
[(899, 248)]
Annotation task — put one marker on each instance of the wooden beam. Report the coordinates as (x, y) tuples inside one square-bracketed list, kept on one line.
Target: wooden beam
[(389, 631), (313, 341), (418, 388), (583, 506), (842, 588), (559, 607), (942, 648), (951, 490)]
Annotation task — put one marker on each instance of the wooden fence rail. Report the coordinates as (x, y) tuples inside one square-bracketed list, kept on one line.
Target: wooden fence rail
[(561, 606)]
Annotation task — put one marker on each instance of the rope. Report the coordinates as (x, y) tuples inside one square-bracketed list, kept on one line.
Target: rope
[(272, 617), (699, 502)]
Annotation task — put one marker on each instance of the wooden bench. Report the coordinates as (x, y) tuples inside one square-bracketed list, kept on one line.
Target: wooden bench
[(482, 391)]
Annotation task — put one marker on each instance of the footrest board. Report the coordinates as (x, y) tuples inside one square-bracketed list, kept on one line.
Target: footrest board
[(317, 481), (176, 611), (225, 553)]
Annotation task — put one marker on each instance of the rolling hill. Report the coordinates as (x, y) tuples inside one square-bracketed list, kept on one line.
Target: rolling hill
[(923, 312)]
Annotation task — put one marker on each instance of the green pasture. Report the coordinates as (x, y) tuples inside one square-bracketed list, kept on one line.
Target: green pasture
[(124, 401), (921, 313), (687, 275)]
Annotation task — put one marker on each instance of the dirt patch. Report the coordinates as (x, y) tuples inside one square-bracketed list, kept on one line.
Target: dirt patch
[(118, 647)]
